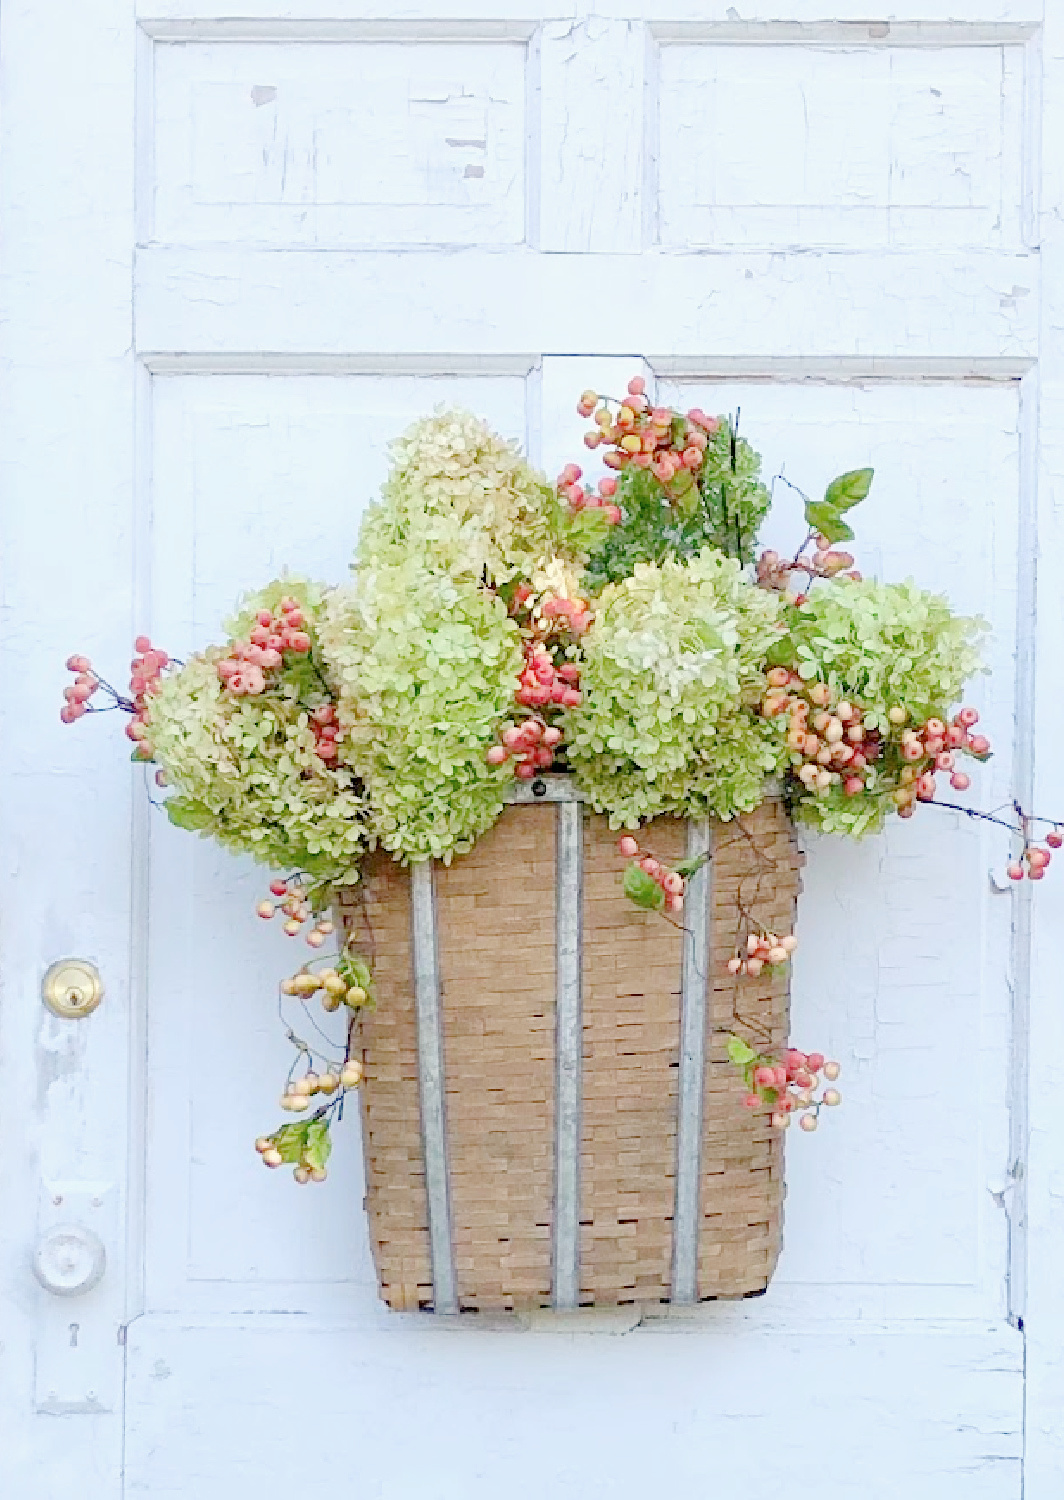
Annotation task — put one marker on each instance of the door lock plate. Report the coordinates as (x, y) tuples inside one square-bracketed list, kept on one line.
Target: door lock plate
[(72, 988)]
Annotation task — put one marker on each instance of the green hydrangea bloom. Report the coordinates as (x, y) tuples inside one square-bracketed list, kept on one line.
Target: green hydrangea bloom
[(245, 773), (427, 665), (463, 500), (886, 645), (672, 665)]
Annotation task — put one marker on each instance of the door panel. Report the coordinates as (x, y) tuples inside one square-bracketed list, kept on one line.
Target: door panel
[(865, 148), (251, 475), (903, 966), (335, 144)]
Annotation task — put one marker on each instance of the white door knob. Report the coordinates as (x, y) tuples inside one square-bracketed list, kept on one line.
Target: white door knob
[(69, 1260)]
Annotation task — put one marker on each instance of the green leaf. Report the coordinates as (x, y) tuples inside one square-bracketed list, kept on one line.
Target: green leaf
[(849, 488), (355, 970), (739, 1053), (689, 867), (643, 889), (187, 813), (825, 519), (586, 530), (318, 1146), (290, 1141), (685, 493), (299, 672)]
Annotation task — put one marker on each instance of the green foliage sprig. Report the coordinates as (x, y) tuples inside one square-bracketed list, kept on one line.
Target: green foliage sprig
[(842, 494), (722, 508)]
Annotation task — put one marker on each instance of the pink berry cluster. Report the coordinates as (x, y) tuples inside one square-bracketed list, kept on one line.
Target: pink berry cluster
[(777, 573), (931, 750), (670, 445), (77, 694), (572, 615), (671, 882), (544, 685), (244, 668), (531, 746), (1034, 860), (762, 948), (790, 1087), (293, 905), (325, 723), (826, 734), (145, 670), (582, 498)]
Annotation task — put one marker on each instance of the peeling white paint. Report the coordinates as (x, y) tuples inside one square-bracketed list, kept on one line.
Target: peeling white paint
[(353, 143), (837, 147)]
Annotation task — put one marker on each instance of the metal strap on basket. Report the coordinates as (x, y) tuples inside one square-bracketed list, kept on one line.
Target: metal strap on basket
[(431, 1086), (568, 1026), (568, 1051), (686, 1219)]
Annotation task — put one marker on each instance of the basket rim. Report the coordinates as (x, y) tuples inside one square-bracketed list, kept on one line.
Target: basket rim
[(561, 786)]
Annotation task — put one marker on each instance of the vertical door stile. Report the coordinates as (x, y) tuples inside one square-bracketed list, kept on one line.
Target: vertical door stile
[(694, 974), (432, 1085), (569, 1041)]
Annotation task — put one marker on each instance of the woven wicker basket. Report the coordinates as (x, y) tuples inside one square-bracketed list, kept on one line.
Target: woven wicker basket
[(549, 1117)]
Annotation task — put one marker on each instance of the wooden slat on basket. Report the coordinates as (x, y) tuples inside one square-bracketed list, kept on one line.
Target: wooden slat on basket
[(632, 964), (495, 917)]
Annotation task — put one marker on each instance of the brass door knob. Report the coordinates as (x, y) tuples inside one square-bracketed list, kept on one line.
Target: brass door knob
[(72, 988)]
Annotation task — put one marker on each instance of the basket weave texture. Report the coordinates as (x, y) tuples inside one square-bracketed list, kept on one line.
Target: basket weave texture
[(496, 942)]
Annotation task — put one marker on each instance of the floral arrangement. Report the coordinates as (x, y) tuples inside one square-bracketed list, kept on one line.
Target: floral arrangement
[(628, 634)]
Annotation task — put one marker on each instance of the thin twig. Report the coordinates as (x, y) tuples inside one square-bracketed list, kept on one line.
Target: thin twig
[(974, 812), (792, 486)]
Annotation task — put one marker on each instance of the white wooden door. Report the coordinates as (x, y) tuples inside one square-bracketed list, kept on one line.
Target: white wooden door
[(243, 245)]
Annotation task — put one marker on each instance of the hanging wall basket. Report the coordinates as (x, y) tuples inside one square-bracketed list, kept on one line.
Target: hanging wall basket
[(548, 1111)]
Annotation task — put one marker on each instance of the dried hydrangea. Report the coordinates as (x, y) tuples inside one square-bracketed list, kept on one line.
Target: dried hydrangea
[(672, 665), (884, 644), (427, 665), (462, 499), (244, 772), (888, 647)]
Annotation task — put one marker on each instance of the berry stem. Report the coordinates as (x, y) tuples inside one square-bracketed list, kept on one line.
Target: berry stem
[(1026, 819)]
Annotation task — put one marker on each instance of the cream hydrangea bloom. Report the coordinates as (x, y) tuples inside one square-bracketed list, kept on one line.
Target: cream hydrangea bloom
[(461, 498), (672, 664)]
